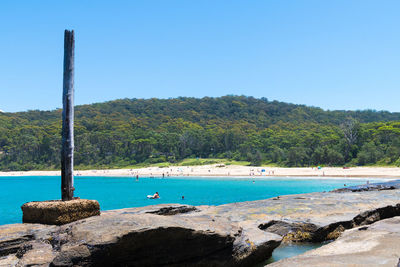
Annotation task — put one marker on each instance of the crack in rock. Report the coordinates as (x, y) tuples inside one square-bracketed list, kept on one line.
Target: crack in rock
[(308, 232), (168, 211)]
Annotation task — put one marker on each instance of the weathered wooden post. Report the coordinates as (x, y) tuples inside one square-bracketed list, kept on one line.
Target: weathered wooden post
[(67, 150), (62, 212)]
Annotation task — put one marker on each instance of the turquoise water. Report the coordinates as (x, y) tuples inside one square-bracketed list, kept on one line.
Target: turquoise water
[(123, 192), (290, 250)]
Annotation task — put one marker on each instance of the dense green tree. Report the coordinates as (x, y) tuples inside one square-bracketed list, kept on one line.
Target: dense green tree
[(128, 131), (370, 153)]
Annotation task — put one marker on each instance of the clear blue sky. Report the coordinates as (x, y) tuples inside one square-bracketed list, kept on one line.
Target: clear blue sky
[(338, 54)]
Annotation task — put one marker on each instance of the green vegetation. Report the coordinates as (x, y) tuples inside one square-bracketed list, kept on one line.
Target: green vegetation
[(160, 132)]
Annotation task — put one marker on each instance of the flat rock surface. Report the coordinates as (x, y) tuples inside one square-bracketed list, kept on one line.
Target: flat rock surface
[(237, 234), (375, 245), (320, 209)]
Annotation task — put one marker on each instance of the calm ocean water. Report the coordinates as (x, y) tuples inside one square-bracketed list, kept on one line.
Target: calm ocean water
[(124, 192)]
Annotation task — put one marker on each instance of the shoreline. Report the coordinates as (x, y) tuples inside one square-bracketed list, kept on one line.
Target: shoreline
[(234, 171)]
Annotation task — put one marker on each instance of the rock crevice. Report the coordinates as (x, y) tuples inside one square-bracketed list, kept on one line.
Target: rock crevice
[(308, 232)]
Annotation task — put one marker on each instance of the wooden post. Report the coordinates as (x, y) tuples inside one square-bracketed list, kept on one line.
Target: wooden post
[(67, 150)]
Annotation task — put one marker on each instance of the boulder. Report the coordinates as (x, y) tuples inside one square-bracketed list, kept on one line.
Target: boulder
[(153, 240)]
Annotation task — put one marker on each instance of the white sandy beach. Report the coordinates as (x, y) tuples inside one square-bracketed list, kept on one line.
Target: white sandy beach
[(219, 170)]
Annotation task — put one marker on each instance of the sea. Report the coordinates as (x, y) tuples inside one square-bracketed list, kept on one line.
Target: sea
[(125, 192)]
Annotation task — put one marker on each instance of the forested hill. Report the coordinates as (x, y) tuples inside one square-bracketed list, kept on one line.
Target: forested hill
[(260, 112), (124, 132)]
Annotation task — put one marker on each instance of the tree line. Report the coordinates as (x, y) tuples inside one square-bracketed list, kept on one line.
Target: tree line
[(126, 132)]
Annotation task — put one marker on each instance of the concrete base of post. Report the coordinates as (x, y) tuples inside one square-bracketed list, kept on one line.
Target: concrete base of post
[(59, 212)]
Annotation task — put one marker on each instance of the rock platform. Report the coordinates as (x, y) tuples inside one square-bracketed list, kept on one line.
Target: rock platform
[(367, 246), (237, 234)]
